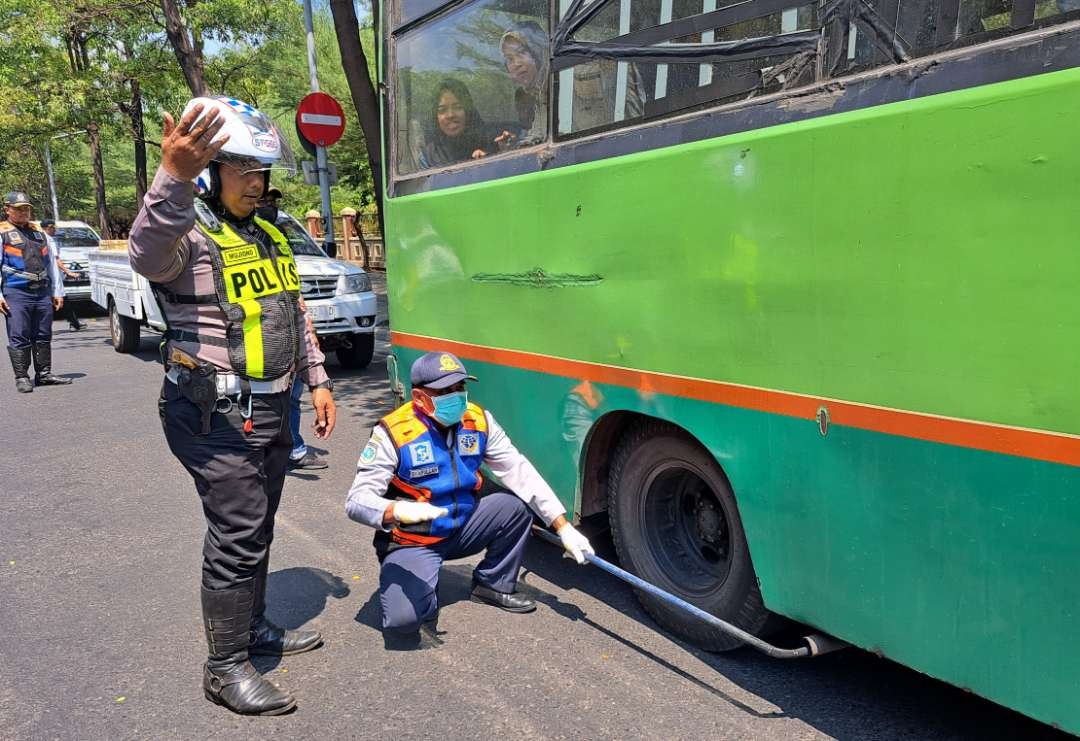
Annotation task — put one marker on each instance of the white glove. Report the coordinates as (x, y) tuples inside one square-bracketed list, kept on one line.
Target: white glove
[(410, 513), (576, 544)]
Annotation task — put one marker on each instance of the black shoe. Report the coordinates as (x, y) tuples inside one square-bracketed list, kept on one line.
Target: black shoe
[(268, 639), (510, 602), (309, 461), (77, 327), (20, 363), (229, 679), (43, 375), (427, 637)]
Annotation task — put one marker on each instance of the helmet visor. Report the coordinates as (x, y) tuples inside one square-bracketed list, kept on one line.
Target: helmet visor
[(255, 144), (246, 164)]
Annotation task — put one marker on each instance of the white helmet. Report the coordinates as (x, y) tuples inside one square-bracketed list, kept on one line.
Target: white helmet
[(255, 143)]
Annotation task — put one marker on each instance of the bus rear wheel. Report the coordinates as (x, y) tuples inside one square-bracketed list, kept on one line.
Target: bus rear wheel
[(676, 524)]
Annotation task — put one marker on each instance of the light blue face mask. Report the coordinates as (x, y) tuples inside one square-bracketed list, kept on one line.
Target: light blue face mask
[(450, 408)]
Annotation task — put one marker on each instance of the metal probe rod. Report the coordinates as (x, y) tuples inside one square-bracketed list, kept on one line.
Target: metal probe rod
[(815, 644)]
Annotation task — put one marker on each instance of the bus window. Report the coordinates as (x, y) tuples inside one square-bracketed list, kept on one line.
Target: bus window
[(922, 27), (471, 84), (605, 92)]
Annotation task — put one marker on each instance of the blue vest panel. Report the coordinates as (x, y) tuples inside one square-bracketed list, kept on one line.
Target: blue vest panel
[(438, 467), (24, 262)]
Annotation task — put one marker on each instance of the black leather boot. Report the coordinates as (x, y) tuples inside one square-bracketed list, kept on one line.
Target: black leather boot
[(229, 679), (20, 362), (268, 639), (43, 375)]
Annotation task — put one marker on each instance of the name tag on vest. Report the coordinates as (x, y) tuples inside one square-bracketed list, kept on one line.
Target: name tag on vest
[(418, 473)]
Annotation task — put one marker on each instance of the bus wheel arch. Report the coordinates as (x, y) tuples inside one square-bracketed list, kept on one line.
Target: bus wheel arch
[(675, 522)]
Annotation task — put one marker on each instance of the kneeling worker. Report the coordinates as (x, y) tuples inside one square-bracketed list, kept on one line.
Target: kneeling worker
[(416, 484)]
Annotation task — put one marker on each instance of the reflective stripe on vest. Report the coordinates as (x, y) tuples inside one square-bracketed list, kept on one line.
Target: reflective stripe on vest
[(430, 470), (249, 284)]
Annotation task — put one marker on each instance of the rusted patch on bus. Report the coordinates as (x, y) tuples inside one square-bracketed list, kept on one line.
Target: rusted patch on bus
[(538, 278), (819, 100)]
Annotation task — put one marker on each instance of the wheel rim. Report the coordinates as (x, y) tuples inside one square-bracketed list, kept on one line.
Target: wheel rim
[(685, 528), (113, 329)]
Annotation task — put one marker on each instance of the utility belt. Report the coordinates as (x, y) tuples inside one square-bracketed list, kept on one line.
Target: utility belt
[(229, 384), (211, 391)]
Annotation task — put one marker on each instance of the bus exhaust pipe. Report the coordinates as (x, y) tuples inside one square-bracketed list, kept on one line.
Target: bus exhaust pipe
[(816, 643)]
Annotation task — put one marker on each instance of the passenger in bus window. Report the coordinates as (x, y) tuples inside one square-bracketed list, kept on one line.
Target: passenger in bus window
[(458, 131), (524, 50)]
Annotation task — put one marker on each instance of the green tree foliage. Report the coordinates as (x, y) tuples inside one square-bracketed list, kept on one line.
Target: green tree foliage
[(64, 66)]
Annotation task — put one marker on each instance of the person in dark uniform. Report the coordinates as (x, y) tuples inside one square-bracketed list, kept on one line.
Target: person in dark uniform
[(235, 340), (417, 483), (31, 291)]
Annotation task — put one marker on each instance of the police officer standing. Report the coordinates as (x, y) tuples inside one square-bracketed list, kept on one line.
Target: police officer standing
[(229, 288), (31, 291)]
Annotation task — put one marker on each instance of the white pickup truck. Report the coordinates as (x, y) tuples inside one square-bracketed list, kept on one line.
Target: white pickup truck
[(338, 297)]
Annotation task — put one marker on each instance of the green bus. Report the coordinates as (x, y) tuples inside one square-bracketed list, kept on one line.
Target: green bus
[(786, 291)]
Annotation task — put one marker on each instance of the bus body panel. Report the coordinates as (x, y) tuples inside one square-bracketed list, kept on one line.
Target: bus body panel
[(903, 267)]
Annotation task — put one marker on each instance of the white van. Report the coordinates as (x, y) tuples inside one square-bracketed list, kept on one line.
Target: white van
[(337, 293), (74, 241)]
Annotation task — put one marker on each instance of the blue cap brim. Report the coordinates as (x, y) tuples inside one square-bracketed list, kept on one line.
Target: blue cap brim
[(449, 380)]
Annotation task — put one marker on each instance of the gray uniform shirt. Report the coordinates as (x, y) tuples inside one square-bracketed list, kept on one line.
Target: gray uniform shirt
[(379, 461), (166, 247)]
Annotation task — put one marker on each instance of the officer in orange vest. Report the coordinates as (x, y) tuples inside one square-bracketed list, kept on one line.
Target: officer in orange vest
[(417, 484), (30, 291)]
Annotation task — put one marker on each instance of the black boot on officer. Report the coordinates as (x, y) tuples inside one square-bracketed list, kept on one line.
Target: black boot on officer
[(20, 362), (268, 639), (43, 375), (229, 678)]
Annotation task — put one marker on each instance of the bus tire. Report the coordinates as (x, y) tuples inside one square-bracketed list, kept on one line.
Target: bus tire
[(359, 355), (676, 524), (123, 330)]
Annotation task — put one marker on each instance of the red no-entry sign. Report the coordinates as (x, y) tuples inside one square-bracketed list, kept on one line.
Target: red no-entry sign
[(320, 120)]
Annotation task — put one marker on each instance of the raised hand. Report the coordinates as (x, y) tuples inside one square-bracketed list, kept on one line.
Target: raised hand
[(187, 147)]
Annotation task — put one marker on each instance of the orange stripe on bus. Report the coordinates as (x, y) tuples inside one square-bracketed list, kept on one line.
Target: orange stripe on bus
[(1043, 445)]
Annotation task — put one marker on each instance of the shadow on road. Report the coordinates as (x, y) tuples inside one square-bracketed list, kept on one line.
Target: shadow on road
[(295, 597), (825, 692)]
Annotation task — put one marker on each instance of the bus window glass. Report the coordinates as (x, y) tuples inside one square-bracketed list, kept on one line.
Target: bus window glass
[(606, 92), (471, 84), (914, 26)]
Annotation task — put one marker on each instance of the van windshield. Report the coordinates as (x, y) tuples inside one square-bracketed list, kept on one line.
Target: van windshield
[(76, 236)]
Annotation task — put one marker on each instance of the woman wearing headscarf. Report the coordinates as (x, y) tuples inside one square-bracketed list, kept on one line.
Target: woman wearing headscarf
[(525, 51), (459, 133)]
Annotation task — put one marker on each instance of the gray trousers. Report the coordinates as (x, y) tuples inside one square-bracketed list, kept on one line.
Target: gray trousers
[(410, 575)]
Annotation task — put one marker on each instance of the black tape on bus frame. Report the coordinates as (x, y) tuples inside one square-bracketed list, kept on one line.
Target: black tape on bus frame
[(642, 46)]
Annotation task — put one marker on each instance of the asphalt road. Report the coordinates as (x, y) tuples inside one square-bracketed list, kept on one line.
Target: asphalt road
[(100, 537)]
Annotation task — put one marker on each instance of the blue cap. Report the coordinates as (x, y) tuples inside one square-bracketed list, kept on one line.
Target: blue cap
[(17, 198), (438, 370)]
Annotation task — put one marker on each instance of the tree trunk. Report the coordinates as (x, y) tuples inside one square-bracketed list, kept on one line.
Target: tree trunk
[(99, 179), (189, 55), (139, 135), (361, 89)]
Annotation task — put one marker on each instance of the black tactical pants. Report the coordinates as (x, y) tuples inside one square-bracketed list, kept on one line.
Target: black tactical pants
[(238, 475)]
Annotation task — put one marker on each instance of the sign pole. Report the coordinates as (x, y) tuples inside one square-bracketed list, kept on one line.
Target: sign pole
[(320, 151)]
